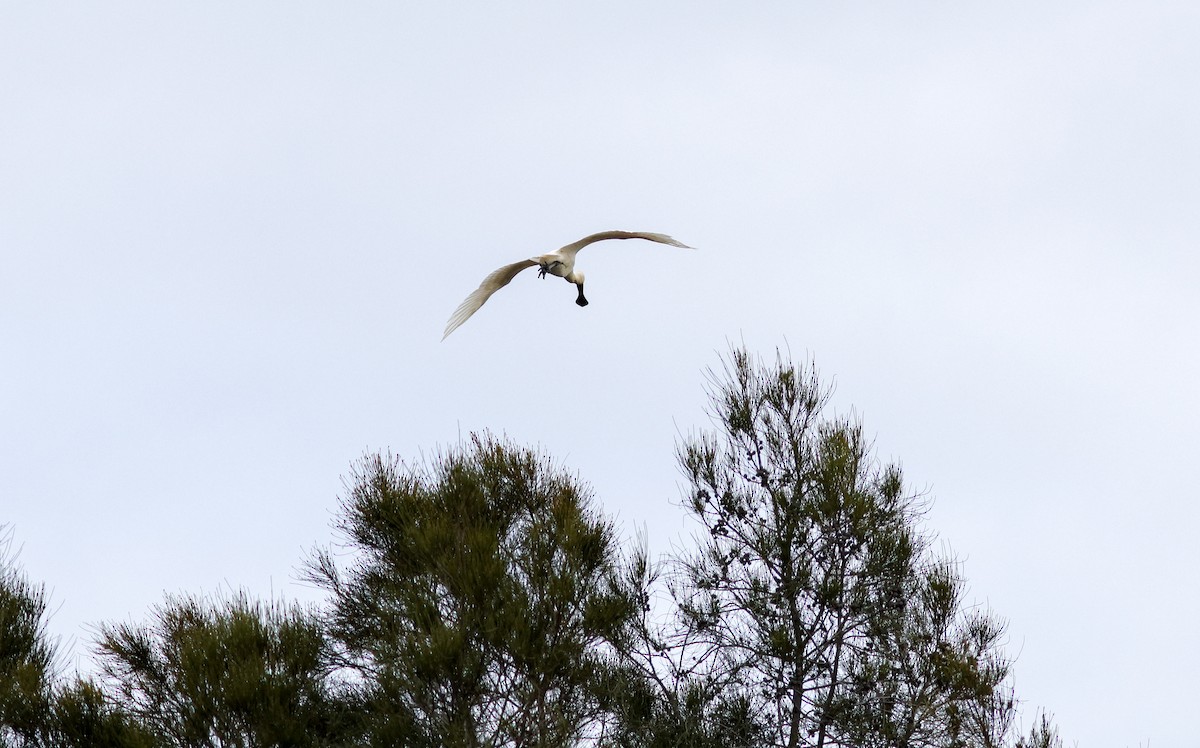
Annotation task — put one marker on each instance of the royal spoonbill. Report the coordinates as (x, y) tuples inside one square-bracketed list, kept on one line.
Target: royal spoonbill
[(560, 262)]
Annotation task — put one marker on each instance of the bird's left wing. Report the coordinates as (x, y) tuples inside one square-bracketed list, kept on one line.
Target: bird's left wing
[(491, 284), (574, 247)]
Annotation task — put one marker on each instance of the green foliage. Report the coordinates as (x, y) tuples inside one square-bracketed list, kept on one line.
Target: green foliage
[(84, 717), (932, 674), (650, 713), (482, 593), (237, 673), (1043, 734), (26, 657), (35, 709), (479, 600), (813, 599)]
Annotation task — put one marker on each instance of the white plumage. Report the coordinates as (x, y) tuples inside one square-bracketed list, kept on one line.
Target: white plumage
[(560, 262)]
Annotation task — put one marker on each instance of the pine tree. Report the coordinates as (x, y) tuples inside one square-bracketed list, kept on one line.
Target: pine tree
[(813, 605), (480, 600), (233, 673)]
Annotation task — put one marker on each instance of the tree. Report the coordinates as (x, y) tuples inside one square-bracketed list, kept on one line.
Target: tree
[(666, 691), (1043, 734), (36, 709), (931, 673), (26, 657), (83, 716), (481, 600), (478, 599), (813, 600), (234, 673)]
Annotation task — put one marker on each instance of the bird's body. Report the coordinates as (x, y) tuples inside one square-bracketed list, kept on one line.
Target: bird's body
[(560, 262)]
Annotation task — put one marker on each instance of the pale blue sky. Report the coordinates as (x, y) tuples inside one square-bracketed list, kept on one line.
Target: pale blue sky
[(231, 234)]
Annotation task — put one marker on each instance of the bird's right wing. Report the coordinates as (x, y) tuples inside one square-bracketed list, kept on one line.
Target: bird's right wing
[(491, 284)]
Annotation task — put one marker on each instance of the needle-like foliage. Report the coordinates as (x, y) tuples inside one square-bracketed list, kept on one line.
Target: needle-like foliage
[(236, 674), (38, 710), (479, 599), (26, 657), (813, 603)]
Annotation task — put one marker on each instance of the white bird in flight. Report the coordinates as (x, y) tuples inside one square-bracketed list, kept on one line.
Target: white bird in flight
[(560, 262)]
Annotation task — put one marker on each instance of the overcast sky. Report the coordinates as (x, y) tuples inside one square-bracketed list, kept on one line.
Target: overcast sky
[(231, 235)]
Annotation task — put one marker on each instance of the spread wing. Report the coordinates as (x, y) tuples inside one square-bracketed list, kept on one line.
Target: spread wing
[(491, 284), (574, 247)]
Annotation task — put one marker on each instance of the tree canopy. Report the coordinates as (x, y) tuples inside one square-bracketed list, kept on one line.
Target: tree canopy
[(481, 598), (481, 602)]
